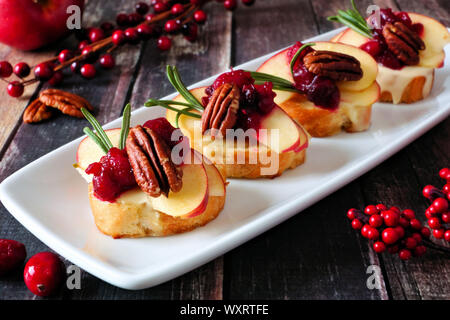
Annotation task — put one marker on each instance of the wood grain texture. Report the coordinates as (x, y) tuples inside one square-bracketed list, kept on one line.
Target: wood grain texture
[(314, 255)]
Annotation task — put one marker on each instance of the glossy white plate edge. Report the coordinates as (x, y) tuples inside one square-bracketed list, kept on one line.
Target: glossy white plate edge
[(266, 220)]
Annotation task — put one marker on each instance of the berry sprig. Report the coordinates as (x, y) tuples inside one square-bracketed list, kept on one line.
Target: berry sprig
[(438, 213), (391, 230), (161, 20)]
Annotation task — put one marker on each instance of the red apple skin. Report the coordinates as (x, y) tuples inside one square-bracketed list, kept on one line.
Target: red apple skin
[(31, 24)]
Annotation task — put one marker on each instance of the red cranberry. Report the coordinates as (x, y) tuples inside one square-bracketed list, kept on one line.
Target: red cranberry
[(371, 209), (446, 188), (438, 233), (376, 221), (418, 28), (159, 7), (356, 224), (163, 128), (428, 191), (83, 44), (365, 230), (164, 43), (388, 59), (122, 19), (408, 214), (444, 173), (323, 92), (352, 213), (404, 254), (420, 251), (248, 2), (107, 27), (372, 234), (266, 97), (132, 35), (415, 224), (372, 47), (96, 34), (425, 232), (43, 71), (142, 8), (389, 236), (403, 222), (400, 232), (237, 77), (12, 255), (434, 223), (200, 16), (172, 26), (56, 79), (5, 69), (65, 55), (381, 207), (88, 71), (177, 9), (75, 66), (107, 61), (395, 209), (149, 17), (118, 37), (447, 235), (379, 247), (43, 273), (404, 17), (22, 69), (135, 18), (15, 89), (416, 236), (391, 218), (446, 217), (440, 205), (230, 4), (145, 31), (410, 243)]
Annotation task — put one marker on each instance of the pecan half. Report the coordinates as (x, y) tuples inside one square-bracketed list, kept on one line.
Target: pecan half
[(221, 112), (68, 103), (153, 169), (334, 65), (37, 112), (403, 42)]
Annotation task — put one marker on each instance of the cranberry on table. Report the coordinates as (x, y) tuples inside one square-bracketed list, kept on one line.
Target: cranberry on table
[(434, 223), (356, 224), (75, 66), (145, 31), (177, 9), (164, 43), (149, 17), (376, 221), (400, 232), (447, 235), (43, 71), (134, 19), (122, 19), (391, 218), (419, 251), (440, 205), (22, 69), (12, 255), (371, 209), (381, 207), (415, 224), (142, 8), (352, 213), (65, 55), (425, 232), (118, 37), (107, 61), (379, 247), (44, 273), (88, 71), (159, 7), (15, 89), (408, 214), (5, 69), (56, 79), (444, 173), (438, 233), (131, 35), (230, 4), (96, 34), (200, 16), (372, 234), (172, 26), (389, 236), (405, 254)]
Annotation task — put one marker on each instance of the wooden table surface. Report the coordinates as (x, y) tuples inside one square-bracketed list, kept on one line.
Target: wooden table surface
[(315, 254)]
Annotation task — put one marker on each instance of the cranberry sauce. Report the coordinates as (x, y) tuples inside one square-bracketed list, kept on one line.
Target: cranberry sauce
[(322, 91), (377, 47), (255, 101), (113, 174)]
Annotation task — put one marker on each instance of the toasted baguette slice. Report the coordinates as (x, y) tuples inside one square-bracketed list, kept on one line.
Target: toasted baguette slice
[(134, 220)]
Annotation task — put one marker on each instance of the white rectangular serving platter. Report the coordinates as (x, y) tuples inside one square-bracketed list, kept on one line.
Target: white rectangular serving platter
[(50, 198)]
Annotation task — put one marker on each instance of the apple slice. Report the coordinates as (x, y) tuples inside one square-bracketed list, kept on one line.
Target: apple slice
[(89, 152)]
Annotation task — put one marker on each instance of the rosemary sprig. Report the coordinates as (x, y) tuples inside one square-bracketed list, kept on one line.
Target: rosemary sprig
[(297, 54), (175, 80), (101, 138), (125, 126), (354, 20)]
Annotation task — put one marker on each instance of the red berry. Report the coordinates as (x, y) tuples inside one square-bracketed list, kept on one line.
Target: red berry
[(379, 247), (389, 236), (391, 218), (446, 217), (381, 207), (43, 71), (164, 43), (177, 9), (75, 66), (172, 26), (372, 47), (438, 233), (415, 224), (428, 191), (118, 37), (403, 222), (434, 223), (96, 34), (395, 209), (142, 8), (410, 243), (122, 19), (12, 255), (88, 71), (107, 61), (440, 205), (408, 214), (159, 7), (365, 230), (446, 188), (56, 79), (351, 214), (425, 232), (248, 2), (372, 234), (371, 209), (21, 69), (15, 89), (134, 19), (200, 16), (400, 232), (447, 235), (404, 254), (429, 213), (83, 44), (417, 237), (65, 55), (444, 173), (145, 31), (5, 69), (420, 251), (356, 224), (132, 35), (149, 17), (230, 4), (376, 221), (43, 273)]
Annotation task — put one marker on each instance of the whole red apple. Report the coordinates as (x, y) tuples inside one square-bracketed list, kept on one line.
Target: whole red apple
[(31, 24)]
